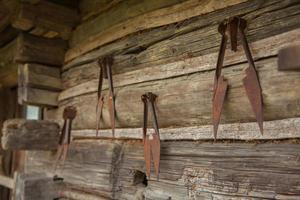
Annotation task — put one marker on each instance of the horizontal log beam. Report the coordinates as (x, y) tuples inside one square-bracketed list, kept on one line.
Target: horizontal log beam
[(277, 129), (35, 186), (149, 20), (247, 170), (37, 97), (28, 48), (39, 76), (40, 50), (88, 73), (20, 134), (45, 15), (186, 100)]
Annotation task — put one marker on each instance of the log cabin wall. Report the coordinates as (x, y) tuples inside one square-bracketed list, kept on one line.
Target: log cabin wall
[(170, 47)]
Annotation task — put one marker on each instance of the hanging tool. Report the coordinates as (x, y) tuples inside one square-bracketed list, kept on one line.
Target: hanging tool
[(151, 141), (233, 28), (105, 64), (289, 58), (68, 115)]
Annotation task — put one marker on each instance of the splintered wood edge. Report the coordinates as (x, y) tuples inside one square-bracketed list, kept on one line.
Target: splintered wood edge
[(277, 129)]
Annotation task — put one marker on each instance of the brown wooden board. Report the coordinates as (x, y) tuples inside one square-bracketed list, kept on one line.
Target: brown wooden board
[(188, 169), (21, 134)]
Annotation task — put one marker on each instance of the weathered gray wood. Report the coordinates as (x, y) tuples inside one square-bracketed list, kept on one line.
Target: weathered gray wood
[(46, 15), (92, 8), (28, 48), (36, 186), (277, 129), (189, 170), (141, 22), (105, 154), (84, 79), (198, 36), (40, 50), (37, 97), (186, 100), (21, 134), (39, 76)]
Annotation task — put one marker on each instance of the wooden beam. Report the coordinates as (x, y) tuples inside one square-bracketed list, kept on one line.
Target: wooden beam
[(84, 79), (91, 8), (21, 134), (148, 20), (276, 129), (28, 48), (37, 97), (47, 15), (194, 37), (40, 50), (7, 182), (244, 169), (35, 186), (39, 76), (186, 100)]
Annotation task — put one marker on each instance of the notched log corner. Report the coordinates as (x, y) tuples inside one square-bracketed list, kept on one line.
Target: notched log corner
[(21, 134)]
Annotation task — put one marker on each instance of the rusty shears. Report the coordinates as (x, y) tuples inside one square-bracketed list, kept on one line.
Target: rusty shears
[(151, 141), (105, 72), (65, 138), (233, 28)]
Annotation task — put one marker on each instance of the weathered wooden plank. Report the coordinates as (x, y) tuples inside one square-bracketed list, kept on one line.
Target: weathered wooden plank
[(37, 97), (195, 37), (186, 100), (36, 187), (21, 134), (90, 8), (119, 13), (39, 76), (277, 129), (40, 50), (104, 154), (84, 79), (148, 20), (46, 15), (188, 169)]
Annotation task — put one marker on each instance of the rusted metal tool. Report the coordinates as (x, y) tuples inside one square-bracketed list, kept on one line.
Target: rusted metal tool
[(68, 115), (232, 28), (289, 58), (105, 72), (151, 141)]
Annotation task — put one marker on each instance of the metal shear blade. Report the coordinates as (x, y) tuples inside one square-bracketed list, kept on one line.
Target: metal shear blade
[(218, 102), (105, 72), (151, 142), (253, 91)]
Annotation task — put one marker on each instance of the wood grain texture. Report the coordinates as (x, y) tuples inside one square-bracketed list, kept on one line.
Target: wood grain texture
[(39, 76), (37, 97), (40, 50), (194, 37), (46, 15), (152, 19), (84, 79), (186, 100), (29, 48), (189, 170), (276, 129), (36, 186), (117, 14), (21, 134), (92, 8)]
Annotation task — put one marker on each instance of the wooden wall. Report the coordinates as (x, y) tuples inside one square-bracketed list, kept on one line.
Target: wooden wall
[(170, 48)]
